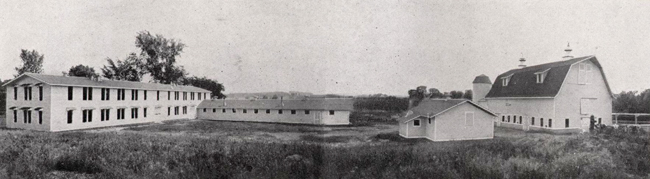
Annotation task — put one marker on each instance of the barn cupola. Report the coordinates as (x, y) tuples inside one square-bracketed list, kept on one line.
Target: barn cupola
[(568, 55), (522, 62)]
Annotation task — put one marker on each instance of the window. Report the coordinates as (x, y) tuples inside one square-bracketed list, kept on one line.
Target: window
[(600, 121), (268, 111), (214, 110), (331, 112), (70, 93), (199, 95), (27, 116), (16, 93), (205, 109), (541, 75), (191, 95), (506, 80), (90, 93), (134, 95), (255, 111), (69, 115), (85, 93), (144, 112), (541, 122), (15, 116), (204, 94), (566, 123), (508, 118), (293, 111), (26, 90), (157, 95), (520, 119), (245, 111), (306, 111), (40, 117), (177, 95), (40, 93), (503, 118), (87, 115), (120, 113), (176, 110), (184, 96), (169, 111), (429, 120), (223, 110), (234, 110), (104, 113), (514, 119), (280, 111), (184, 109), (144, 92), (550, 122), (134, 113), (108, 114), (532, 121), (169, 95), (584, 73), (469, 119), (416, 123), (105, 92)]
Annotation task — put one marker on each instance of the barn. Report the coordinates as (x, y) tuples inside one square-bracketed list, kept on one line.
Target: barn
[(315, 111), (447, 120)]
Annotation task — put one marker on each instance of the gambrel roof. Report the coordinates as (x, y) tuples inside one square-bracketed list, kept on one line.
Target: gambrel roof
[(337, 104), (55, 80), (434, 107), (523, 81)]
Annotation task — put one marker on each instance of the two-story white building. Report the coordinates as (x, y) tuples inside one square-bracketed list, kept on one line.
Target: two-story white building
[(59, 103), (557, 97)]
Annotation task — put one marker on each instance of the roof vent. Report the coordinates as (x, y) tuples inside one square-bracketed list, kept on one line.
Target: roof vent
[(568, 50), (522, 63)]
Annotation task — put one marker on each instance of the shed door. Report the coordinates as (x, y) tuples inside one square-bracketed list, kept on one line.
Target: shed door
[(584, 123), (319, 117)]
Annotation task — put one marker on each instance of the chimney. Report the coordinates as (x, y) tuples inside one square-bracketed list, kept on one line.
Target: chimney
[(522, 63), (282, 100), (224, 102), (568, 55)]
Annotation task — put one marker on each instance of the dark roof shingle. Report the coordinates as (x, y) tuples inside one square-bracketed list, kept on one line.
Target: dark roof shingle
[(523, 82), (339, 104)]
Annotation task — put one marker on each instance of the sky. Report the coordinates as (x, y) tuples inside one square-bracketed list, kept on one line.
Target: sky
[(341, 47)]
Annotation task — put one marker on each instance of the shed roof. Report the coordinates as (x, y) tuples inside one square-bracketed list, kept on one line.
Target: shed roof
[(523, 81), (56, 80), (338, 104), (435, 107)]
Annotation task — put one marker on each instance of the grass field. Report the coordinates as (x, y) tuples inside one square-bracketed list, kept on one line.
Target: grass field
[(211, 149)]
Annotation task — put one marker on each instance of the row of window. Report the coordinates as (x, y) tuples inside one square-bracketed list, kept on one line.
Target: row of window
[(532, 121), (268, 111), (27, 116), (176, 110), (87, 94), (28, 93), (105, 114)]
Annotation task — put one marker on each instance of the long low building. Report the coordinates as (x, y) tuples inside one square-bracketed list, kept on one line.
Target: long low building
[(59, 103), (317, 111)]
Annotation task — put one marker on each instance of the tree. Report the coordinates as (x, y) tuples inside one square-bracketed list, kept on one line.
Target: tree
[(456, 94), (82, 71), (160, 55), (468, 94), (32, 62), (275, 96), (625, 102), (131, 69), (205, 83), (435, 93)]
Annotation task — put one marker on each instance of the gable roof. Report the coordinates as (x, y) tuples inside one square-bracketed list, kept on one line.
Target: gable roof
[(523, 81), (55, 80), (434, 107), (337, 104)]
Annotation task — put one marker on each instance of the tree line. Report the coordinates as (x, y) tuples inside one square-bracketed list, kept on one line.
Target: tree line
[(157, 57), (632, 102)]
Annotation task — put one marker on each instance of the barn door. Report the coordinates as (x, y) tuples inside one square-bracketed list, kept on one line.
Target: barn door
[(319, 117), (584, 124)]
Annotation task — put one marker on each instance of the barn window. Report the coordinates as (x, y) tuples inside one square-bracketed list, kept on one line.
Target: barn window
[(69, 116), (550, 122), (234, 110), (584, 73), (223, 110), (506, 80), (306, 111), (541, 75), (245, 111), (541, 122), (293, 111), (268, 111), (280, 111), (520, 119), (331, 112), (503, 118), (214, 110), (469, 118), (255, 111), (416, 122), (532, 121), (566, 123)]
